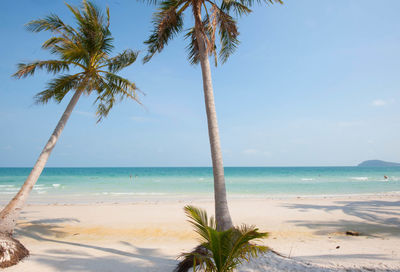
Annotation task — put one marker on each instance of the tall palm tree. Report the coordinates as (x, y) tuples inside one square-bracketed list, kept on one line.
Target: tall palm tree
[(219, 251), (209, 16), (86, 51)]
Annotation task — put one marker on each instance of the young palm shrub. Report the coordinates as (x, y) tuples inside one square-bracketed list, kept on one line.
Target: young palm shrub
[(85, 50), (213, 21), (219, 251)]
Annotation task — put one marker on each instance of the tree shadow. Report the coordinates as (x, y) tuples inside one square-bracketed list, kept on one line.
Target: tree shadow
[(44, 227), (333, 257), (146, 259), (372, 217), (76, 259)]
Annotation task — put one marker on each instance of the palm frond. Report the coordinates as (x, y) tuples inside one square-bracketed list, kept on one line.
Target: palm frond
[(151, 2), (121, 61), (58, 88), (228, 34), (237, 6), (124, 87), (111, 89), (50, 66), (193, 259), (250, 3), (166, 24), (51, 23), (199, 219), (241, 248), (93, 28), (192, 47)]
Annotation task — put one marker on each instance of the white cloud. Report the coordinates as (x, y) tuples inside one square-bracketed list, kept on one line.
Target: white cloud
[(379, 103), (349, 124), (382, 103), (250, 151)]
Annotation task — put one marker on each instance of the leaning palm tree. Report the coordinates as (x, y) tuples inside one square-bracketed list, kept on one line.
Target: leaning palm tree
[(219, 251), (85, 50), (209, 17)]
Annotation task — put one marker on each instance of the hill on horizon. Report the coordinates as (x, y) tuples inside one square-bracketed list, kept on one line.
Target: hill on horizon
[(378, 163)]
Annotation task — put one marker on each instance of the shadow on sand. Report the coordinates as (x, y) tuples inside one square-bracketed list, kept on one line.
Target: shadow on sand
[(371, 218), (73, 258)]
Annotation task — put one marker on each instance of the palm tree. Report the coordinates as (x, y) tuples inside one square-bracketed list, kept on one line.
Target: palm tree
[(219, 251), (168, 22), (85, 50)]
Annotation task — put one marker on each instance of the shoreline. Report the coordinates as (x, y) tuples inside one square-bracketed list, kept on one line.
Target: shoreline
[(149, 235), (59, 199)]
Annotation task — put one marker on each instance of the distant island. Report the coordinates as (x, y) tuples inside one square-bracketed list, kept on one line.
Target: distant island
[(378, 163)]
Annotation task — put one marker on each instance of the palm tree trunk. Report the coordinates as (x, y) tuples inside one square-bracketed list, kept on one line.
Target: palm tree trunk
[(10, 214), (222, 215)]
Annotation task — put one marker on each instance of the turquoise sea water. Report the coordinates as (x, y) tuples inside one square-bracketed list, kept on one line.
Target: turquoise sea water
[(58, 184)]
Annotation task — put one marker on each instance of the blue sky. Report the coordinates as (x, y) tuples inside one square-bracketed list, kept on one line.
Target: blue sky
[(312, 83)]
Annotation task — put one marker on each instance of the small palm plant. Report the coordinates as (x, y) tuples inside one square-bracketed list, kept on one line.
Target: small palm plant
[(219, 251)]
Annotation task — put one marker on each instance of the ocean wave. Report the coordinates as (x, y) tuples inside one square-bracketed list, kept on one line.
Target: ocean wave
[(10, 189), (41, 188), (359, 178), (6, 185), (307, 179), (394, 178), (139, 194), (56, 185)]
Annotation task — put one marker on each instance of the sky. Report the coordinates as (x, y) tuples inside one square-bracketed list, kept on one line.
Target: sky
[(313, 83)]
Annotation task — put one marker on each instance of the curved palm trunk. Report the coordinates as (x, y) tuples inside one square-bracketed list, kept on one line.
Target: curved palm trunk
[(10, 214), (222, 215)]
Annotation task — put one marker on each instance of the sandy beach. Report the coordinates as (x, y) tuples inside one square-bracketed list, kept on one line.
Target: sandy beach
[(149, 235)]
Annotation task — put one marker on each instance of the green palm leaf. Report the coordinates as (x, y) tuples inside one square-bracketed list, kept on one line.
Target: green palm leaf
[(219, 251), (50, 66), (57, 88), (121, 61)]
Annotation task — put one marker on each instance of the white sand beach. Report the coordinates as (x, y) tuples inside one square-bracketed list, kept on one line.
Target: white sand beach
[(149, 235)]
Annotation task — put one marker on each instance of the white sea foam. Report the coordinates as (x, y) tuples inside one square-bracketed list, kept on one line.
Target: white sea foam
[(56, 185), (41, 188), (139, 194), (10, 189), (6, 185), (359, 178), (307, 179)]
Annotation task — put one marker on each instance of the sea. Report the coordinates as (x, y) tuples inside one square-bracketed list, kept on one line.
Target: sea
[(125, 184)]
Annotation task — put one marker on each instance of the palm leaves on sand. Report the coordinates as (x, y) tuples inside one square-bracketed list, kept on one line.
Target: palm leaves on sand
[(212, 21), (219, 251), (85, 51)]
